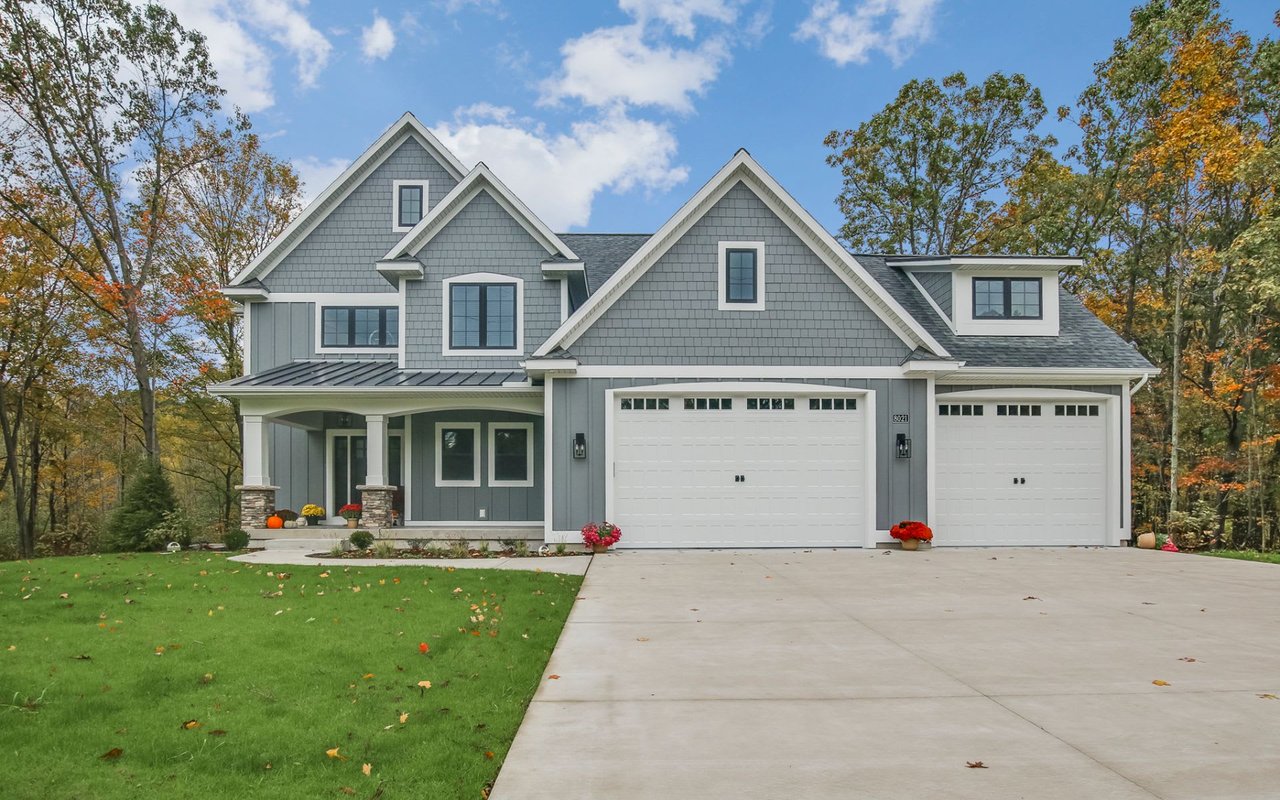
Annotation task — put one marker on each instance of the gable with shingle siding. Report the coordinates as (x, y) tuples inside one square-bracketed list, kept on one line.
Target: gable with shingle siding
[(670, 315), (340, 253)]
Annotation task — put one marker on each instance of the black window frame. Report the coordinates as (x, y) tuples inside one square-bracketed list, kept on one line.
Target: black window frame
[(471, 432), (755, 275), (1007, 290), (525, 457), (383, 328), (483, 311), (422, 204)]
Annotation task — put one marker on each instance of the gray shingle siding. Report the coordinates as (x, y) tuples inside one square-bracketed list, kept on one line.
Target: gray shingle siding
[(339, 254), (938, 285), (578, 406), (483, 237), (670, 315)]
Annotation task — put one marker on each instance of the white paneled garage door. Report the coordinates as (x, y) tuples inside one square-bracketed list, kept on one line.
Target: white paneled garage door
[(739, 469), (1021, 473)]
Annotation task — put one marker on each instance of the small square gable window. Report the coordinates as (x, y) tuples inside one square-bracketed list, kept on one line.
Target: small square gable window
[(408, 204)]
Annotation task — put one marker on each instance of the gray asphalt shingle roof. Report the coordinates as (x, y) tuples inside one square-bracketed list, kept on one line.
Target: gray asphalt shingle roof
[(366, 374), (603, 253)]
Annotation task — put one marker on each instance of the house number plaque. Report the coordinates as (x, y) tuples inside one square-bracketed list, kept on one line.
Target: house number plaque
[(902, 418)]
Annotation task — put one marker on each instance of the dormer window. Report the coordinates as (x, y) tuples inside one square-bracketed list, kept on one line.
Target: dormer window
[(1007, 298), (408, 204), (741, 276)]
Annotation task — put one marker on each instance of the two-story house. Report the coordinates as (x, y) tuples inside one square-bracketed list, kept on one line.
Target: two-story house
[(419, 341)]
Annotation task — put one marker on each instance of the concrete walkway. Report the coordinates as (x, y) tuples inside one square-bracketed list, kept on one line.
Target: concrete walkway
[(855, 674), (282, 553)]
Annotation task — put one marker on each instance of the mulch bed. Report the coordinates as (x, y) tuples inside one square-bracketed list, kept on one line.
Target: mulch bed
[(437, 553)]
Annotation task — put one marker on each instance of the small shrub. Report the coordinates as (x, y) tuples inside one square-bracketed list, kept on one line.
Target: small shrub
[(361, 540), (458, 549), (560, 548), (418, 544), (435, 551), (174, 526), (337, 551), (236, 540), (484, 548), (508, 544), (385, 549), (147, 497), (522, 548), (76, 538)]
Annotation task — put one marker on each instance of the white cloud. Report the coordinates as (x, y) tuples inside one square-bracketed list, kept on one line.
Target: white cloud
[(234, 30), (318, 173), (848, 37), (679, 15), (559, 175), (378, 40), (615, 65)]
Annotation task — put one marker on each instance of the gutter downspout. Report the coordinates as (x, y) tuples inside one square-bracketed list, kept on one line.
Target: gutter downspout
[(1134, 389)]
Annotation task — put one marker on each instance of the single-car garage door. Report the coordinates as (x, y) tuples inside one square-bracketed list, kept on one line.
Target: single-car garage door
[(1021, 473), (739, 469)]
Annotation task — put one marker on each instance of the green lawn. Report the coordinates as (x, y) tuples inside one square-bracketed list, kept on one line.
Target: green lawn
[(107, 652), (1245, 555)]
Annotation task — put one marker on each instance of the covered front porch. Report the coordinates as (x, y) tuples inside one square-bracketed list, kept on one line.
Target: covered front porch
[(428, 452)]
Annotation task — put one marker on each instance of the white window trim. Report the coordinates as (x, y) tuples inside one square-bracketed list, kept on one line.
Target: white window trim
[(370, 299), (494, 427), (962, 298), (446, 321), (722, 267), (475, 453), (395, 204)]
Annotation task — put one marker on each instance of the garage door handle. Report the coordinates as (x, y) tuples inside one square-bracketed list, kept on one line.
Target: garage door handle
[(1019, 481)]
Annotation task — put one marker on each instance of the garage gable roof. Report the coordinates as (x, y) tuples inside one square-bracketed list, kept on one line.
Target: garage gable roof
[(742, 168), (408, 126)]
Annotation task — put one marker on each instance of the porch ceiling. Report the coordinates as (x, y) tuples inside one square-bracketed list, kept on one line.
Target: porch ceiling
[(367, 375)]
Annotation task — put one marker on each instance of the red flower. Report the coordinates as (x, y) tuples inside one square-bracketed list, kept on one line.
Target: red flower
[(910, 529)]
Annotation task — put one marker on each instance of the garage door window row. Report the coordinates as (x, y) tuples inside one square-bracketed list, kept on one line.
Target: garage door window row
[(645, 404), (1017, 411), (833, 404), (954, 410), (771, 404), (1075, 411), (708, 404)]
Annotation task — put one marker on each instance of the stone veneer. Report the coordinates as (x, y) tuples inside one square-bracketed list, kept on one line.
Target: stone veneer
[(376, 503), (256, 504)]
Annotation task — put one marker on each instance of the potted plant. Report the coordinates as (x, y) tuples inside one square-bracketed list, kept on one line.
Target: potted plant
[(911, 534), (600, 537), (351, 513), (312, 513)]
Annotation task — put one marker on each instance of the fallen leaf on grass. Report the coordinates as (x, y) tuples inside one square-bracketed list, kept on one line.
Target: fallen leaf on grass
[(346, 790), (217, 732), (1158, 682), (975, 765), (367, 769), (190, 724), (424, 684), (368, 676), (333, 753), (207, 677), (324, 574), (83, 657), (12, 647), (423, 647), (488, 754), (404, 717), (63, 596), (112, 754)]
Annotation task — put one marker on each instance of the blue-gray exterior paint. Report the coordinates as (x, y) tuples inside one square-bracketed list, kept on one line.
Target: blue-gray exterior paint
[(433, 503), (340, 253), (283, 332), (938, 285), (578, 406), (297, 466), (670, 315), (483, 237)]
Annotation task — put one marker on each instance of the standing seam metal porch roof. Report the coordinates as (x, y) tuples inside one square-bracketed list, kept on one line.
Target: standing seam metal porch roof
[(366, 374)]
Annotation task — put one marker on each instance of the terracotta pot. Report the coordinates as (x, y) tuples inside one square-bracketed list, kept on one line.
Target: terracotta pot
[(599, 548), (910, 544), (351, 523), (1147, 541)]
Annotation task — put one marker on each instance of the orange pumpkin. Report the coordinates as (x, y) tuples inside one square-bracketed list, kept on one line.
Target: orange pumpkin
[(274, 522)]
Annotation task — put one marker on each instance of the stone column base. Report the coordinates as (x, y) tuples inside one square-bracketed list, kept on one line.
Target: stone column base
[(256, 504), (376, 502)]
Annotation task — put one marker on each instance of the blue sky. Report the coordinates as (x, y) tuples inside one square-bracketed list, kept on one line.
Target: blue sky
[(606, 115)]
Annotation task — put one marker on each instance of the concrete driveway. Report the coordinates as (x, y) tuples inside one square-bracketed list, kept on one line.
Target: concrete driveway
[(856, 674)]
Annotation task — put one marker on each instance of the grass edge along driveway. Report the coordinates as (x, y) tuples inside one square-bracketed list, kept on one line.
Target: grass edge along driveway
[(132, 675)]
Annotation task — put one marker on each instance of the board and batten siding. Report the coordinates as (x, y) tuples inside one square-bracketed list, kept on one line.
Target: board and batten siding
[(340, 253), (297, 466), (483, 238), (283, 332), (670, 315), (578, 406), (433, 503)]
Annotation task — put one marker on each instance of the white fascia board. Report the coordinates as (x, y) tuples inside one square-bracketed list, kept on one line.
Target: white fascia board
[(227, 390), (556, 366), (243, 294), (1007, 375), (400, 269), (930, 367), (743, 167), (558, 270), (480, 178), (741, 372), (342, 186), (987, 261)]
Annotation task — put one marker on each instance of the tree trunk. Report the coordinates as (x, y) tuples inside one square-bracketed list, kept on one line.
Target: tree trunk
[(1174, 399)]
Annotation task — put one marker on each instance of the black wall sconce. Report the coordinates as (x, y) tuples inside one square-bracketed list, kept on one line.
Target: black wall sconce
[(904, 446), (344, 420), (579, 445)]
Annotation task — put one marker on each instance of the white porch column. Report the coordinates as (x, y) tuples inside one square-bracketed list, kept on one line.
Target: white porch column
[(376, 450), (256, 469)]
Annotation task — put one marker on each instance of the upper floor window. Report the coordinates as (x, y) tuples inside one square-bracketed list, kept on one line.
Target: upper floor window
[(360, 326), (408, 204), (1007, 298), (741, 276), (482, 316)]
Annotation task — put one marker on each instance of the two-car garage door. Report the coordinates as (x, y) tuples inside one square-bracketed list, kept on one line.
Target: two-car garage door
[(740, 469), (1022, 473)]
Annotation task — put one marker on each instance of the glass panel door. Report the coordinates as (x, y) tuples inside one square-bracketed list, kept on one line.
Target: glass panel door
[(349, 467)]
